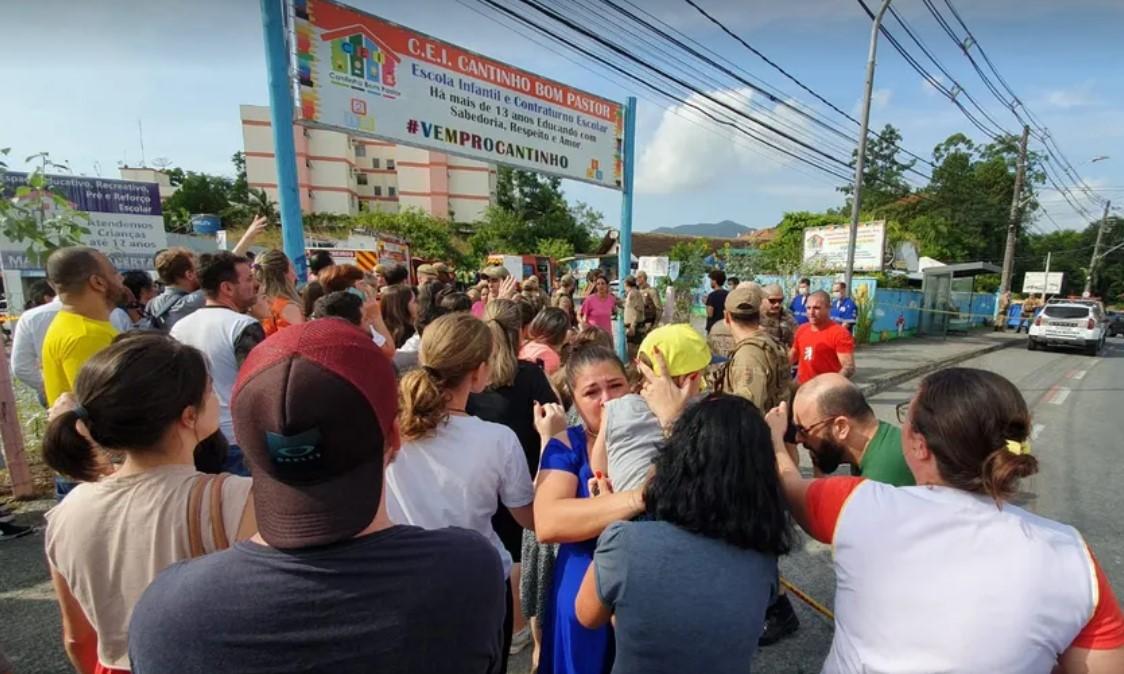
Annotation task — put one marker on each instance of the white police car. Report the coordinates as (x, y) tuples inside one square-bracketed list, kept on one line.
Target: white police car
[(1072, 324)]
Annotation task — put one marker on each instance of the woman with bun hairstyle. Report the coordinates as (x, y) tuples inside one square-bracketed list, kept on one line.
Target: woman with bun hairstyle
[(149, 398), (949, 575), (455, 469)]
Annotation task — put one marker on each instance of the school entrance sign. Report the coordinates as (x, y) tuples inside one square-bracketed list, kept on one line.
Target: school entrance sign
[(358, 73)]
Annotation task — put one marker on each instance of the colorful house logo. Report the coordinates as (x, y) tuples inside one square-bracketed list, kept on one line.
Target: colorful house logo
[(594, 172), (358, 52)]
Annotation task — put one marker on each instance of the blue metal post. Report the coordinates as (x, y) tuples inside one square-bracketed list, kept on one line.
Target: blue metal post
[(285, 153), (624, 242)]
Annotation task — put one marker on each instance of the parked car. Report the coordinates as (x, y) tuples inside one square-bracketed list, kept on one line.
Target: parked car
[(1115, 323), (1069, 324)]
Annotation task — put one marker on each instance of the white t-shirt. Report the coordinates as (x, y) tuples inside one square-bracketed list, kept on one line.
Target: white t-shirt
[(453, 477), (215, 331)]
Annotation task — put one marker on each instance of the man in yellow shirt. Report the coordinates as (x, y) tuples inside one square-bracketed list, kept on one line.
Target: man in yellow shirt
[(89, 288)]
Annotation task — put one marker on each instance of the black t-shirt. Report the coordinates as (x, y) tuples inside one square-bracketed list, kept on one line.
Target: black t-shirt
[(400, 600), (716, 299), (514, 406)]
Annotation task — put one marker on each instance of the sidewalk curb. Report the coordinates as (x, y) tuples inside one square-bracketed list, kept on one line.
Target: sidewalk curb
[(884, 383)]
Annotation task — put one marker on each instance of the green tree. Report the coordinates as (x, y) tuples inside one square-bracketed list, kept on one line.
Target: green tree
[(883, 173), (429, 237), (37, 214), (691, 255), (537, 203), (557, 249), (198, 193), (240, 188)]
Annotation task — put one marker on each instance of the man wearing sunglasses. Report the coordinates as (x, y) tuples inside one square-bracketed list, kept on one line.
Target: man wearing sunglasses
[(837, 425), (775, 317)]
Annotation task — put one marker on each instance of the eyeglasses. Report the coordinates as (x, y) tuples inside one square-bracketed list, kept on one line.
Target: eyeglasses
[(807, 430), (903, 412)]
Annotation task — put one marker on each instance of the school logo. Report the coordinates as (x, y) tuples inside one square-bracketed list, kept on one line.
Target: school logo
[(357, 52)]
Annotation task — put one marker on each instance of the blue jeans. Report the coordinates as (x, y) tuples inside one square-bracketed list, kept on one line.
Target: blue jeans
[(235, 464), (63, 487)]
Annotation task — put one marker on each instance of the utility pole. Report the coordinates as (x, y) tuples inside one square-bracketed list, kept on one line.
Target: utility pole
[(1046, 278), (860, 154), (1016, 208), (1097, 251)]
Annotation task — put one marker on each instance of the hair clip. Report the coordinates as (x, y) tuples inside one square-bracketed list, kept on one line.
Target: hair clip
[(1016, 447)]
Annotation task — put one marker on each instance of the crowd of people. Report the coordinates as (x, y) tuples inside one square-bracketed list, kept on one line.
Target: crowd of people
[(367, 474)]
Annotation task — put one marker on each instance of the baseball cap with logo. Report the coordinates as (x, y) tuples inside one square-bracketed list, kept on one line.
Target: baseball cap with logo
[(745, 300), (314, 408), (682, 347)]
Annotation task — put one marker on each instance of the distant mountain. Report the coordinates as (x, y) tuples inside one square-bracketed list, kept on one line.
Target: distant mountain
[(727, 229)]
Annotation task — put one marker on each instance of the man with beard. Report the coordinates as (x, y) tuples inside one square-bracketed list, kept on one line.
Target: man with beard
[(835, 422)]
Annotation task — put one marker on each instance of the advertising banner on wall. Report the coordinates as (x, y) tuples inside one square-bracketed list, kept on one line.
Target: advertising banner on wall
[(826, 247), (363, 75), (125, 220)]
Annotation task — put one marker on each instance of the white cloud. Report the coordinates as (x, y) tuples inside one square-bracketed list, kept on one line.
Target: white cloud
[(931, 90), (1072, 97), (879, 100), (689, 150)]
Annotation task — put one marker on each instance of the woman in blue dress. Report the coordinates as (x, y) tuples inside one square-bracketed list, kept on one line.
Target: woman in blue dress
[(564, 514)]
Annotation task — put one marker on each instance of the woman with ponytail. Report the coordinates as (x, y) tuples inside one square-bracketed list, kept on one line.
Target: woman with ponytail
[(950, 575), (455, 469), (277, 281), (515, 387), (149, 398)]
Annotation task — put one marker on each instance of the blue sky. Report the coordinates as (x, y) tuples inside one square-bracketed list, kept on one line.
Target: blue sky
[(78, 76)]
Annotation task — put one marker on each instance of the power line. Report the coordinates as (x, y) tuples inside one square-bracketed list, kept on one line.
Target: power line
[(794, 79), (546, 11), (617, 81), (933, 81), (646, 83)]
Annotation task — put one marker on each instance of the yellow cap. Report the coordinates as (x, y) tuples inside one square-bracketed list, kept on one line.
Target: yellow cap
[(681, 346)]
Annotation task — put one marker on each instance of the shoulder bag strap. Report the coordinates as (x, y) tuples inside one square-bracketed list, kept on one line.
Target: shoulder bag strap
[(194, 506), (218, 528)]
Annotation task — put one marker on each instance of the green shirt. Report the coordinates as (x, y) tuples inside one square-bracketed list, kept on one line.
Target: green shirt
[(883, 460)]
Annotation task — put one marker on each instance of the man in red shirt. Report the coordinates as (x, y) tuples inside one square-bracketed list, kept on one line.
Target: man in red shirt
[(821, 345)]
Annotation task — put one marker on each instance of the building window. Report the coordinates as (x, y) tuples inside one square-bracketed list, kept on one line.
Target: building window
[(378, 190), (361, 179), (390, 164), (360, 150), (374, 162), (392, 191)]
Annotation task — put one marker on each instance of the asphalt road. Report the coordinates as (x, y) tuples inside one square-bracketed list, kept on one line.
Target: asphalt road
[(1078, 406)]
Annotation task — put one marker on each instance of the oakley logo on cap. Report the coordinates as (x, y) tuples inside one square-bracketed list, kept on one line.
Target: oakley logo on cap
[(294, 449)]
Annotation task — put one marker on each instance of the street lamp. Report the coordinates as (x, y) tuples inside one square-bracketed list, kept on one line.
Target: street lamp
[(860, 156)]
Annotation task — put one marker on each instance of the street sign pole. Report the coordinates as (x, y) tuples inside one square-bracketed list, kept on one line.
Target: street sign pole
[(624, 240), (281, 114)]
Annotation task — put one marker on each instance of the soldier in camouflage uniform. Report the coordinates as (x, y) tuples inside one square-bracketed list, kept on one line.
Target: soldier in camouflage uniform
[(776, 319)]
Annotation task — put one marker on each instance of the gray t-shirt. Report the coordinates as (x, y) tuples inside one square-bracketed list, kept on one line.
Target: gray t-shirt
[(683, 602), (402, 599), (633, 438)]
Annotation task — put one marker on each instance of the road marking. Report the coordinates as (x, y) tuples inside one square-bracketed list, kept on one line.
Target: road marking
[(1080, 374), (1038, 428), (1060, 396)]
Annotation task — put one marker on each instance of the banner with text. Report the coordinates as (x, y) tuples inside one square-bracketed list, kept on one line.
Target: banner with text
[(364, 75), (1036, 282), (125, 223), (826, 247)]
